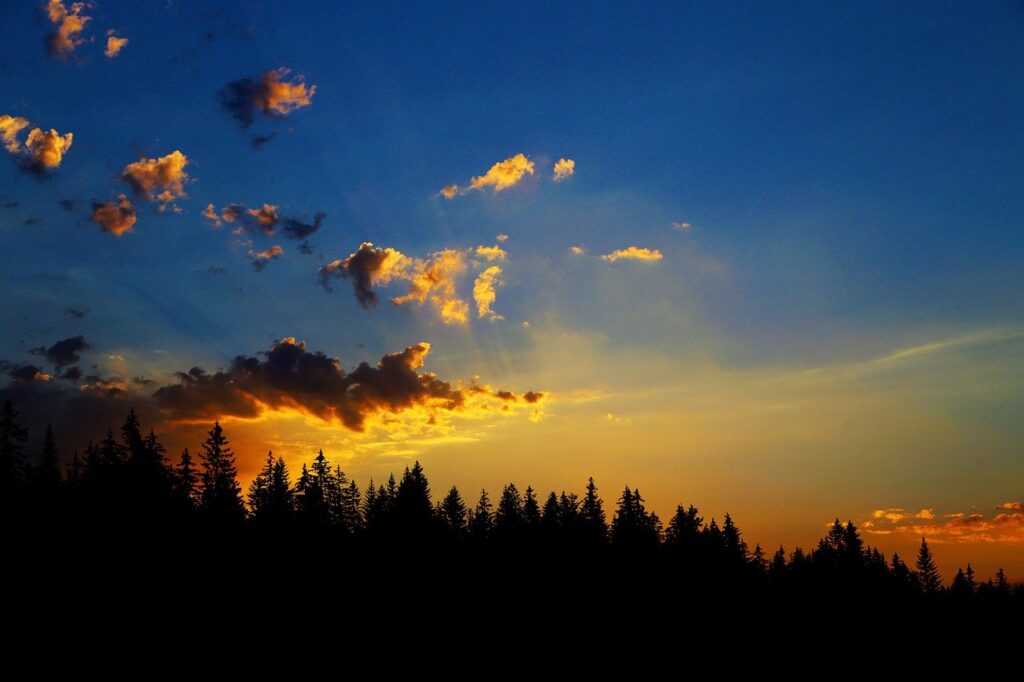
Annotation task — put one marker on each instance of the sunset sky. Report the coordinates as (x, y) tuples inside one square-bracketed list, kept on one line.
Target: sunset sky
[(766, 259)]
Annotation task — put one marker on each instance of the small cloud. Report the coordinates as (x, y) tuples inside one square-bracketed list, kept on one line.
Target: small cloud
[(257, 141), (682, 227), (215, 270), (563, 169), (27, 374), (633, 253), (525, 325), (1011, 506), (485, 292), (296, 229), (29, 222), (67, 204), (65, 352), (115, 217), (272, 95), (77, 313), (502, 238), (501, 176), (114, 44), (10, 127), (160, 180), (69, 22), (925, 514), (576, 250), (491, 253), (11, 204), (261, 258)]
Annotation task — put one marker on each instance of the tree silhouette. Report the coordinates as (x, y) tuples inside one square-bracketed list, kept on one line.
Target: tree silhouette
[(481, 521), (593, 524), (452, 511), (12, 438), (927, 571), (220, 498)]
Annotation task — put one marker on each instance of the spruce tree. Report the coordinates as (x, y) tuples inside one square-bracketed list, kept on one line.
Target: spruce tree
[(927, 571), (593, 523), (221, 496), (453, 512), (12, 438)]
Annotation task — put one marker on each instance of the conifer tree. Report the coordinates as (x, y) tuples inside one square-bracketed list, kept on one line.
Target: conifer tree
[(593, 523), (453, 512), (927, 571), (221, 495), (47, 473), (186, 483), (481, 521)]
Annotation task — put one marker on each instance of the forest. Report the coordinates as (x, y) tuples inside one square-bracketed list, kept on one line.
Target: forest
[(122, 499)]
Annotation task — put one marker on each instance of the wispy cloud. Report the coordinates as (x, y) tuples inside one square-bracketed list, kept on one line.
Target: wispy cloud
[(501, 176), (1006, 524), (633, 253)]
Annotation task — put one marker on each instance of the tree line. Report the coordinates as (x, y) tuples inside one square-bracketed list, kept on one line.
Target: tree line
[(125, 486)]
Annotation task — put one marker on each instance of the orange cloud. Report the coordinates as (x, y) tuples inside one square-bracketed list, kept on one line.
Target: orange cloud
[(501, 176), (491, 253), (368, 267), (272, 95), (114, 44), (288, 377), (261, 258), (162, 179), (563, 169), (46, 149), (434, 279), (633, 253), (1007, 525), (68, 23), (484, 292), (115, 217), (502, 238), (576, 250), (10, 127)]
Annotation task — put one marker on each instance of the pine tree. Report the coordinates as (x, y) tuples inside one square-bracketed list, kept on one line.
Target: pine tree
[(186, 483), (453, 512), (413, 510), (12, 438), (777, 567), (221, 495), (481, 521), (969, 575), (927, 571), (531, 510), (757, 559), (593, 523), (1002, 584), (47, 474), (683, 532), (508, 517), (732, 541)]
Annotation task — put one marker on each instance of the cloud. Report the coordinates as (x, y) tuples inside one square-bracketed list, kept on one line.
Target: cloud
[(68, 23), (108, 387), (10, 127), (576, 250), (257, 141), (65, 352), (501, 176), (114, 44), (633, 253), (289, 377), (262, 220), (115, 217), (1006, 525), (272, 95), (67, 204), (296, 229), (162, 179), (368, 267), (682, 227), (77, 313), (433, 279), (491, 253), (502, 238), (43, 150), (261, 258), (26, 374), (563, 169), (484, 292)]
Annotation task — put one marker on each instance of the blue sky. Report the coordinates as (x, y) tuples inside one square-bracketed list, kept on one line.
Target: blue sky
[(852, 176)]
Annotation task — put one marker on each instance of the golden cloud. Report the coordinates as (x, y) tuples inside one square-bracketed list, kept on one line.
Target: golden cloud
[(46, 149), (633, 253), (162, 179), (68, 23), (433, 279), (115, 217), (484, 292), (288, 377), (368, 267), (114, 44), (10, 127), (563, 169), (576, 250), (261, 258), (278, 97), (491, 253), (1007, 525), (501, 176), (502, 238)]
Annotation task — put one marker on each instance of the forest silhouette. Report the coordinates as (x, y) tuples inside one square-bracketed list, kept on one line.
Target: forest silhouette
[(121, 512)]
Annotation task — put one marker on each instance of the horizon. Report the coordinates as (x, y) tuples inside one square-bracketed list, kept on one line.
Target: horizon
[(762, 260)]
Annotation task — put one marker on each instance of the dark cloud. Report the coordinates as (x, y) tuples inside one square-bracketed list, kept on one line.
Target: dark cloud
[(215, 270), (289, 376), (65, 352), (368, 266), (77, 313), (257, 141), (142, 381), (67, 204), (296, 229), (306, 249), (11, 204), (261, 258), (72, 374), (21, 373), (29, 222)]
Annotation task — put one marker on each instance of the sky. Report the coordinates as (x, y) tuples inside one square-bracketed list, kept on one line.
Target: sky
[(762, 259)]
